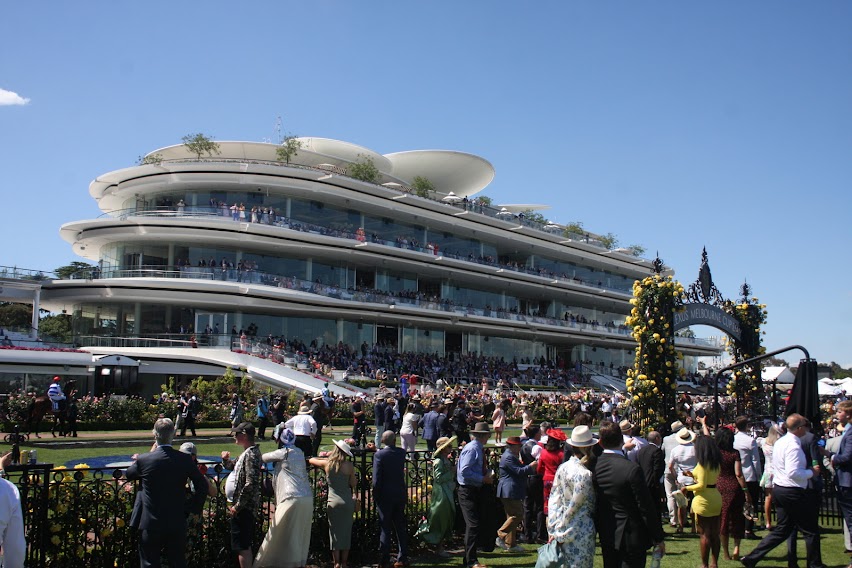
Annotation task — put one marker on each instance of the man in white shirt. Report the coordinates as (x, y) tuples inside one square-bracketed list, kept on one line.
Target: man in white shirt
[(304, 427), (12, 540), (750, 463), (671, 442), (632, 441), (790, 475)]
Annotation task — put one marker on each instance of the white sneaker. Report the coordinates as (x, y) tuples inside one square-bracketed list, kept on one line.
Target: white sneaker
[(501, 543)]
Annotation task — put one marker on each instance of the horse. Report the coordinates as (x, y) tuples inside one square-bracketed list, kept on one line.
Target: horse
[(41, 406)]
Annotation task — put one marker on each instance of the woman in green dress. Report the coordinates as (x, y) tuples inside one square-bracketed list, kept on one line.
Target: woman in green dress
[(341, 503), (442, 508)]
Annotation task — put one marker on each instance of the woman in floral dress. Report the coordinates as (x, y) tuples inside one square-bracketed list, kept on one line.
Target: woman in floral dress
[(570, 520)]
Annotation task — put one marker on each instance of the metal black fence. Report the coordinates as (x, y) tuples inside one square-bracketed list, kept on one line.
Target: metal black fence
[(81, 517)]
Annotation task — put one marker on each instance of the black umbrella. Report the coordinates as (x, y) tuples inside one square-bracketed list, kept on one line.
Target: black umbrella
[(804, 398)]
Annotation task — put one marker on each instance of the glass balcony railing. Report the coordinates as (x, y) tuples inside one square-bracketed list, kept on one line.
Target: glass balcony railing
[(408, 298), (274, 219)]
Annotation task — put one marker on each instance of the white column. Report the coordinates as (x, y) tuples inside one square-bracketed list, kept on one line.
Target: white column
[(36, 298)]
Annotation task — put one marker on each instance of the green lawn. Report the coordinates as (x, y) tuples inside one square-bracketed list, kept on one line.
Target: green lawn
[(681, 552)]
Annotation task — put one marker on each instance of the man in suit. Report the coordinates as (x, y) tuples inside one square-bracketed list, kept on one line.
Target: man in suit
[(512, 489), (159, 512), (842, 462), (389, 490), (430, 427), (626, 521), (652, 461)]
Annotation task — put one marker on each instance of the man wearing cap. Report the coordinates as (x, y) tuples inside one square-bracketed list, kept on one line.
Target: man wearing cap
[(379, 414), (512, 489), (245, 499), (472, 473), (624, 518), (389, 490), (358, 418), (262, 416), (304, 427), (670, 442), (158, 512), (55, 394)]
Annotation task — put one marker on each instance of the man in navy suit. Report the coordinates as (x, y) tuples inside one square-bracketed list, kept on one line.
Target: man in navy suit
[(390, 495), (842, 462), (159, 511), (512, 490), (627, 522), (430, 427)]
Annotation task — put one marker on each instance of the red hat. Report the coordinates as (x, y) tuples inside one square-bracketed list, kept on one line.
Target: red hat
[(56, 379), (557, 434)]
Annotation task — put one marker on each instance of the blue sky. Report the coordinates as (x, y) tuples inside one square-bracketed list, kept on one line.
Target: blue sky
[(673, 125)]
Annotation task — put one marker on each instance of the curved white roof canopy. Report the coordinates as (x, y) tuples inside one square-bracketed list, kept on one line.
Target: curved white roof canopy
[(449, 171)]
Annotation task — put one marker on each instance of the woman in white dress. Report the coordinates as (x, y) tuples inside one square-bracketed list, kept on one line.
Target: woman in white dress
[(571, 505), (766, 481), (289, 537), (408, 431)]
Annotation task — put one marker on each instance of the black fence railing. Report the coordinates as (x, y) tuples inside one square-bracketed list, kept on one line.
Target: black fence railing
[(81, 517)]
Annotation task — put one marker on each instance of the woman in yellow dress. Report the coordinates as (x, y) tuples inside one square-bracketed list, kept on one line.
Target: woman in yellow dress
[(707, 501)]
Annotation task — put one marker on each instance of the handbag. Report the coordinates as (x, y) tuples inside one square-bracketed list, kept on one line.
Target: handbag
[(551, 556)]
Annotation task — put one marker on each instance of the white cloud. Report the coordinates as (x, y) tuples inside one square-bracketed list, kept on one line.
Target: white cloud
[(8, 98)]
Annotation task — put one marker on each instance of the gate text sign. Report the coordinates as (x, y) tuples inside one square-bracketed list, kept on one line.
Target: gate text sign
[(705, 314)]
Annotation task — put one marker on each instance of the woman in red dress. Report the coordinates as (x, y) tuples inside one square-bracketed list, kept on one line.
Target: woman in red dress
[(550, 459), (732, 485)]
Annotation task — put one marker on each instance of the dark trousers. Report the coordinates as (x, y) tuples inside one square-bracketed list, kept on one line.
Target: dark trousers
[(358, 432), (431, 445), (305, 444), (813, 497), (753, 490), (392, 521), (470, 503), (262, 423), (152, 542), (613, 558), (534, 520), (317, 442), (796, 510), (188, 422)]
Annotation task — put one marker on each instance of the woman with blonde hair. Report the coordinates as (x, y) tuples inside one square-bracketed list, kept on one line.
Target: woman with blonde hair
[(766, 480), (342, 504)]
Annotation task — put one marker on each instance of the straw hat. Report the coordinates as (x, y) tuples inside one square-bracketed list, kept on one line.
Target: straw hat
[(304, 409), (685, 436), (626, 426), (581, 437), (344, 447), (442, 444), (676, 425)]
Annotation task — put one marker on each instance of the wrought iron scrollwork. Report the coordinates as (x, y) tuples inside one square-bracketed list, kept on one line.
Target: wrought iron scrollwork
[(703, 290)]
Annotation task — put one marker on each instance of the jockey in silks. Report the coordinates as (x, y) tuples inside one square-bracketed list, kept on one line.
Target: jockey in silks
[(55, 394)]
